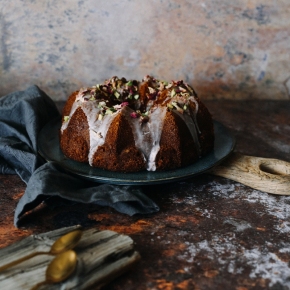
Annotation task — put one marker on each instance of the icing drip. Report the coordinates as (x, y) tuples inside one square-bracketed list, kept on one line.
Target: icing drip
[(140, 132), (156, 124), (97, 128), (98, 131), (147, 136), (79, 101), (73, 109)]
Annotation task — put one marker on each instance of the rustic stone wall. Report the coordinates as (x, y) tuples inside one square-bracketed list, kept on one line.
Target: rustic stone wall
[(225, 49)]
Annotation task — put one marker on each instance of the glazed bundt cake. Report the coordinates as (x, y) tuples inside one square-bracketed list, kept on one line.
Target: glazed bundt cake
[(129, 126)]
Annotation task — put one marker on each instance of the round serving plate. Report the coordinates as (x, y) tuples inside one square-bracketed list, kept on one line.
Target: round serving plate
[(48, 142)]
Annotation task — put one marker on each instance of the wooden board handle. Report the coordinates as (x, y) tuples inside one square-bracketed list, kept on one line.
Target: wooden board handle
[(265, 174)]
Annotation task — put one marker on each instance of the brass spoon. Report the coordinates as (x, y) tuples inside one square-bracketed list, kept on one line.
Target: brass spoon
[(59, 269), (62, 244)]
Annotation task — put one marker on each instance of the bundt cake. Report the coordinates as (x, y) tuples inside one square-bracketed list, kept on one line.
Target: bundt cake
[(129, 126)]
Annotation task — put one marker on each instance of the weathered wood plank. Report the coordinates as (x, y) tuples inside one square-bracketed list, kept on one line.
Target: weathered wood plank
[(32, 244), (102, 256)]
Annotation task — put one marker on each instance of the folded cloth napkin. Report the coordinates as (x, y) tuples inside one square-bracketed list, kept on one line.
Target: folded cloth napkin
[(22, 116)]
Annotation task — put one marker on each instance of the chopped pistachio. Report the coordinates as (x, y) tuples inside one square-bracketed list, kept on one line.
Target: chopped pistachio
[(100, 117), (66, 118), (116, 94), (177, 107), (174, 104), (169, 106), (173, 93), (136, 97), (186, 95), (109, 112), (184, 107), (130, 83)]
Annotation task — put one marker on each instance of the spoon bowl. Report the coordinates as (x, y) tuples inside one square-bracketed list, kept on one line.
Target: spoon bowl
[(60, 268), (66, 242)]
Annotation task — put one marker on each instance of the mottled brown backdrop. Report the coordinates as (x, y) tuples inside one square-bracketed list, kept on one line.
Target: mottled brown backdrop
[(226, 49)]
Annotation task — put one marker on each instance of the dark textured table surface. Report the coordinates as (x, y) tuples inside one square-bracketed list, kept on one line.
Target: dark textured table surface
[(210, 232)]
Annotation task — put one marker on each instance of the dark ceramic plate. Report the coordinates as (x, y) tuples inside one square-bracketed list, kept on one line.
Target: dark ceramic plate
[(49, 148)]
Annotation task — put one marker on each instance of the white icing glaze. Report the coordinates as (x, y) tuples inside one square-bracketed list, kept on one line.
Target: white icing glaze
[(97, 128), (155, 124), (147, 135), (98, 133), (140, 132), (73, 109), (79, 102)]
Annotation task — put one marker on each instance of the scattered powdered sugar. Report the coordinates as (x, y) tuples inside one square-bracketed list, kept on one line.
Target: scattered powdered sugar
[(278, 206), (267, 265), (230, 255), (227, 253), (284, 250), (239, 224), (216, 188), (215, 248), (275, 205)]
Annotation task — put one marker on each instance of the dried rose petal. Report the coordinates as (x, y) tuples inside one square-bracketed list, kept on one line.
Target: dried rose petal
[(134, 115), (124, 104), (152, 96)]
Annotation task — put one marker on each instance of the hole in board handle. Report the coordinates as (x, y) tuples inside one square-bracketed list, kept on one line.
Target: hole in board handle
[(274, 168)]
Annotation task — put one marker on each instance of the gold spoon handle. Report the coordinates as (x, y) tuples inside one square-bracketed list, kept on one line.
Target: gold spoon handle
[(11, 264), (35, 287)]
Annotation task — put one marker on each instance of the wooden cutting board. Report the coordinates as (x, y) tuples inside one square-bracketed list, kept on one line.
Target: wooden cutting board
[(102, 256), (265, 174)]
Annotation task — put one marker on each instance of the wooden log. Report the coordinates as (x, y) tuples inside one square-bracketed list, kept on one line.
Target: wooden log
[(32, 244), (265, 174), (102, 256)]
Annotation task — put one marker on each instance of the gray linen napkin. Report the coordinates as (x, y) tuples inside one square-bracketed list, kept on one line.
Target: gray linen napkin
[(22, 116)]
